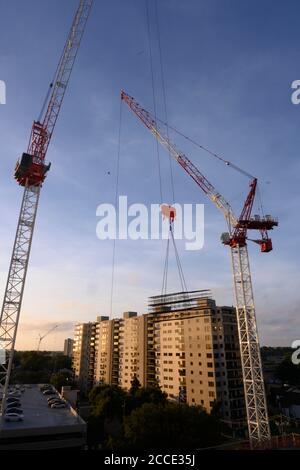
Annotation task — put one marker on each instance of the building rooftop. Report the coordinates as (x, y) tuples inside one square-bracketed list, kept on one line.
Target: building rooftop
[(40, 419)]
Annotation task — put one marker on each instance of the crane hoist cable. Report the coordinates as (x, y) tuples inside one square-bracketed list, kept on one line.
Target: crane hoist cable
[(164, 93), (112, 282), (153, 94), (170, 234)]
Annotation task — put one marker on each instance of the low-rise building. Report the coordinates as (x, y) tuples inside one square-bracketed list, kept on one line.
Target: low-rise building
[(42, 427)]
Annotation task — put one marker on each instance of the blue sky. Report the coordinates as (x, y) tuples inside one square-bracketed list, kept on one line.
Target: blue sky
[(228, 68)]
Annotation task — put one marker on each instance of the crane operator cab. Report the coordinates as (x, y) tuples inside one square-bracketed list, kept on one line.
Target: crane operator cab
[(30, 172)]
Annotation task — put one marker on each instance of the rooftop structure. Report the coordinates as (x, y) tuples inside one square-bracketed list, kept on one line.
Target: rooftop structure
[(43, 427)]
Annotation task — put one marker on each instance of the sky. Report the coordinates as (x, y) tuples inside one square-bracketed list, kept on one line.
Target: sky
[(227, 68)]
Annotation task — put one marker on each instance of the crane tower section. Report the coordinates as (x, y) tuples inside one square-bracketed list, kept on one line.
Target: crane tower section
[(30, 173)]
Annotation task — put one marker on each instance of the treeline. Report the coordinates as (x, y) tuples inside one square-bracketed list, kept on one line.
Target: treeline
[(143, 418), (31, 367)]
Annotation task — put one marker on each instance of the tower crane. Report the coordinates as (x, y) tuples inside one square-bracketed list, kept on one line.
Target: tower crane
[(30, 173), (236, 238), (41, 337)]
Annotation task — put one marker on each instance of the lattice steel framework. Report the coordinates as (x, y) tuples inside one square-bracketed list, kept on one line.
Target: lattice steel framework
[(256, 404), (16, 277), (30, 173)]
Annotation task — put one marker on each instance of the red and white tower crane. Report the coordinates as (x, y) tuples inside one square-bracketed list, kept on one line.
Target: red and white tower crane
[(236, 239), (30, 173)]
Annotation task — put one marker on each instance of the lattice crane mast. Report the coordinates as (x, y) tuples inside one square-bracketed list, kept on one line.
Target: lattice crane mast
[(30, 173), (236, 239)]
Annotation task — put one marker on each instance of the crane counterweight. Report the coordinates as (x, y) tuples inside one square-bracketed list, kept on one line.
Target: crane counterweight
[(29, 172)]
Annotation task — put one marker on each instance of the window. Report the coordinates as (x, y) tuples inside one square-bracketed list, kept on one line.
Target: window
[(210, 374), (209, 355), (211, 394), (209, 364), (211, 384)]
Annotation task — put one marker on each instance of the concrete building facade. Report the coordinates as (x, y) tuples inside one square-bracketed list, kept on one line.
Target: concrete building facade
[(196, 350), (68, 347), (83, 360), (132, 348), (107, 351)]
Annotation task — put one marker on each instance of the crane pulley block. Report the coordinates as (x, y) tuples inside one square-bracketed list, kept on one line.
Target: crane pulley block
[(30, 172)]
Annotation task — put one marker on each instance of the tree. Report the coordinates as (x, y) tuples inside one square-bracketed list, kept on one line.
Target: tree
[(108, 401), (105, 424), (35, 361), (61, 378), (135, 385), (157, 426), (288, 372)]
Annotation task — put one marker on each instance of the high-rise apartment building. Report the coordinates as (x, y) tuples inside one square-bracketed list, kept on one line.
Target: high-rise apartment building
[(186, 344), (196, 350), (84, 355), (68, 347)]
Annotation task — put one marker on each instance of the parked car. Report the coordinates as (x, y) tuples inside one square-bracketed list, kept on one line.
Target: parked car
[(13, 417), (55, 402), (12, 409), (58, 405), (49, 392), (16, 394), (54, 398), (15, 403)]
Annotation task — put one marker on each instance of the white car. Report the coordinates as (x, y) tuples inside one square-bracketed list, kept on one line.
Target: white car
[(49, 392), (58, 405), (15, 393), (14, 417)]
